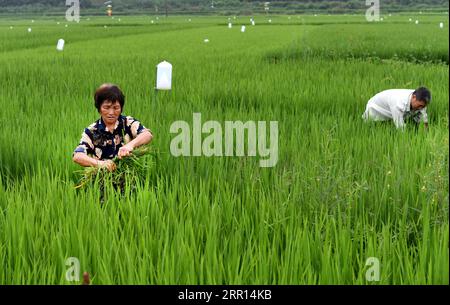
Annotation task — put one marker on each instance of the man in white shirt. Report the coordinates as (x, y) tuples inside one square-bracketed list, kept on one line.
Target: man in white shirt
[(399, 105)]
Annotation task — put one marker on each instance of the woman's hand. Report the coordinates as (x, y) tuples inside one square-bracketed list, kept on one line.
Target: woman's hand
[(109, 164), (125, 151)]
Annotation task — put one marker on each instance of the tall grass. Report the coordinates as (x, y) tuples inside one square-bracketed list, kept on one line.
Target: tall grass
[(341, 192)]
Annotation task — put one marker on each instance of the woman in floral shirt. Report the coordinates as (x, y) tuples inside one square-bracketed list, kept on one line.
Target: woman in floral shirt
[(113, 134)]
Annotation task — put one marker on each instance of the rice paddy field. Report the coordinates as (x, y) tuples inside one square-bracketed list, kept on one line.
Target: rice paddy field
[(342, 191)]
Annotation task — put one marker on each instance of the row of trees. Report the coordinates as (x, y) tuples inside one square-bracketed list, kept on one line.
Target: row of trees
[(249, 6)]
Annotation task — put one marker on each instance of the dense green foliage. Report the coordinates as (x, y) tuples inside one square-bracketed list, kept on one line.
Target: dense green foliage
[(229, 6), (341, 192)]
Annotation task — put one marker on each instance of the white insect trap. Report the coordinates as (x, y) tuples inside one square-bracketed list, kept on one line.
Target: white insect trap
[(60, 45), (164, 76)]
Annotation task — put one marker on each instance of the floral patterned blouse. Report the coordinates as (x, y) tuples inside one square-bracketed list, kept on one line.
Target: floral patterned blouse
[(102, 143)]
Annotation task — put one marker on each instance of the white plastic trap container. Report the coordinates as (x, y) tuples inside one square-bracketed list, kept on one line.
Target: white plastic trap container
[(441, 25), (417, 21), (230, 25), (60, 45), (164, 76), (243, 28)]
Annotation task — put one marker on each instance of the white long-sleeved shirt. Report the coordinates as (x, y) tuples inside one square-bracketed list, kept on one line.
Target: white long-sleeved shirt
[(394, 104)]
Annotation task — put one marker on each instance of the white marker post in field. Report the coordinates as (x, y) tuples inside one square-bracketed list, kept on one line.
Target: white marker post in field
[(60, 45), (163, 78)]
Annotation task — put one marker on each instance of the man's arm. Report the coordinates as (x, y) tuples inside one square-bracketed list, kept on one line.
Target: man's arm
[(397, 117), (421, 117), (424, 117)]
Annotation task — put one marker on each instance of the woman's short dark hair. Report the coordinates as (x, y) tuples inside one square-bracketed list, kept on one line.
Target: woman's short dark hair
[(423, 94), (108, 92)]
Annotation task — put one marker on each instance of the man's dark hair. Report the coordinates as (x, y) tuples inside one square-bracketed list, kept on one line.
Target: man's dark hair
[(108, 92), (423, 94)]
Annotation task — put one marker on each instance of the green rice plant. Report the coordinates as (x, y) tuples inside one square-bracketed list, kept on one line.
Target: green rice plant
[(341, 192), (130, 169)]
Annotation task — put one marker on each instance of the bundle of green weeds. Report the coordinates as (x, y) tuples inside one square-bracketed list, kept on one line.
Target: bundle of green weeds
[(130, 169)]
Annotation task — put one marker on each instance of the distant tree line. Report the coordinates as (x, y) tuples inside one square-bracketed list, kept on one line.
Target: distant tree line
[(234, 6)]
